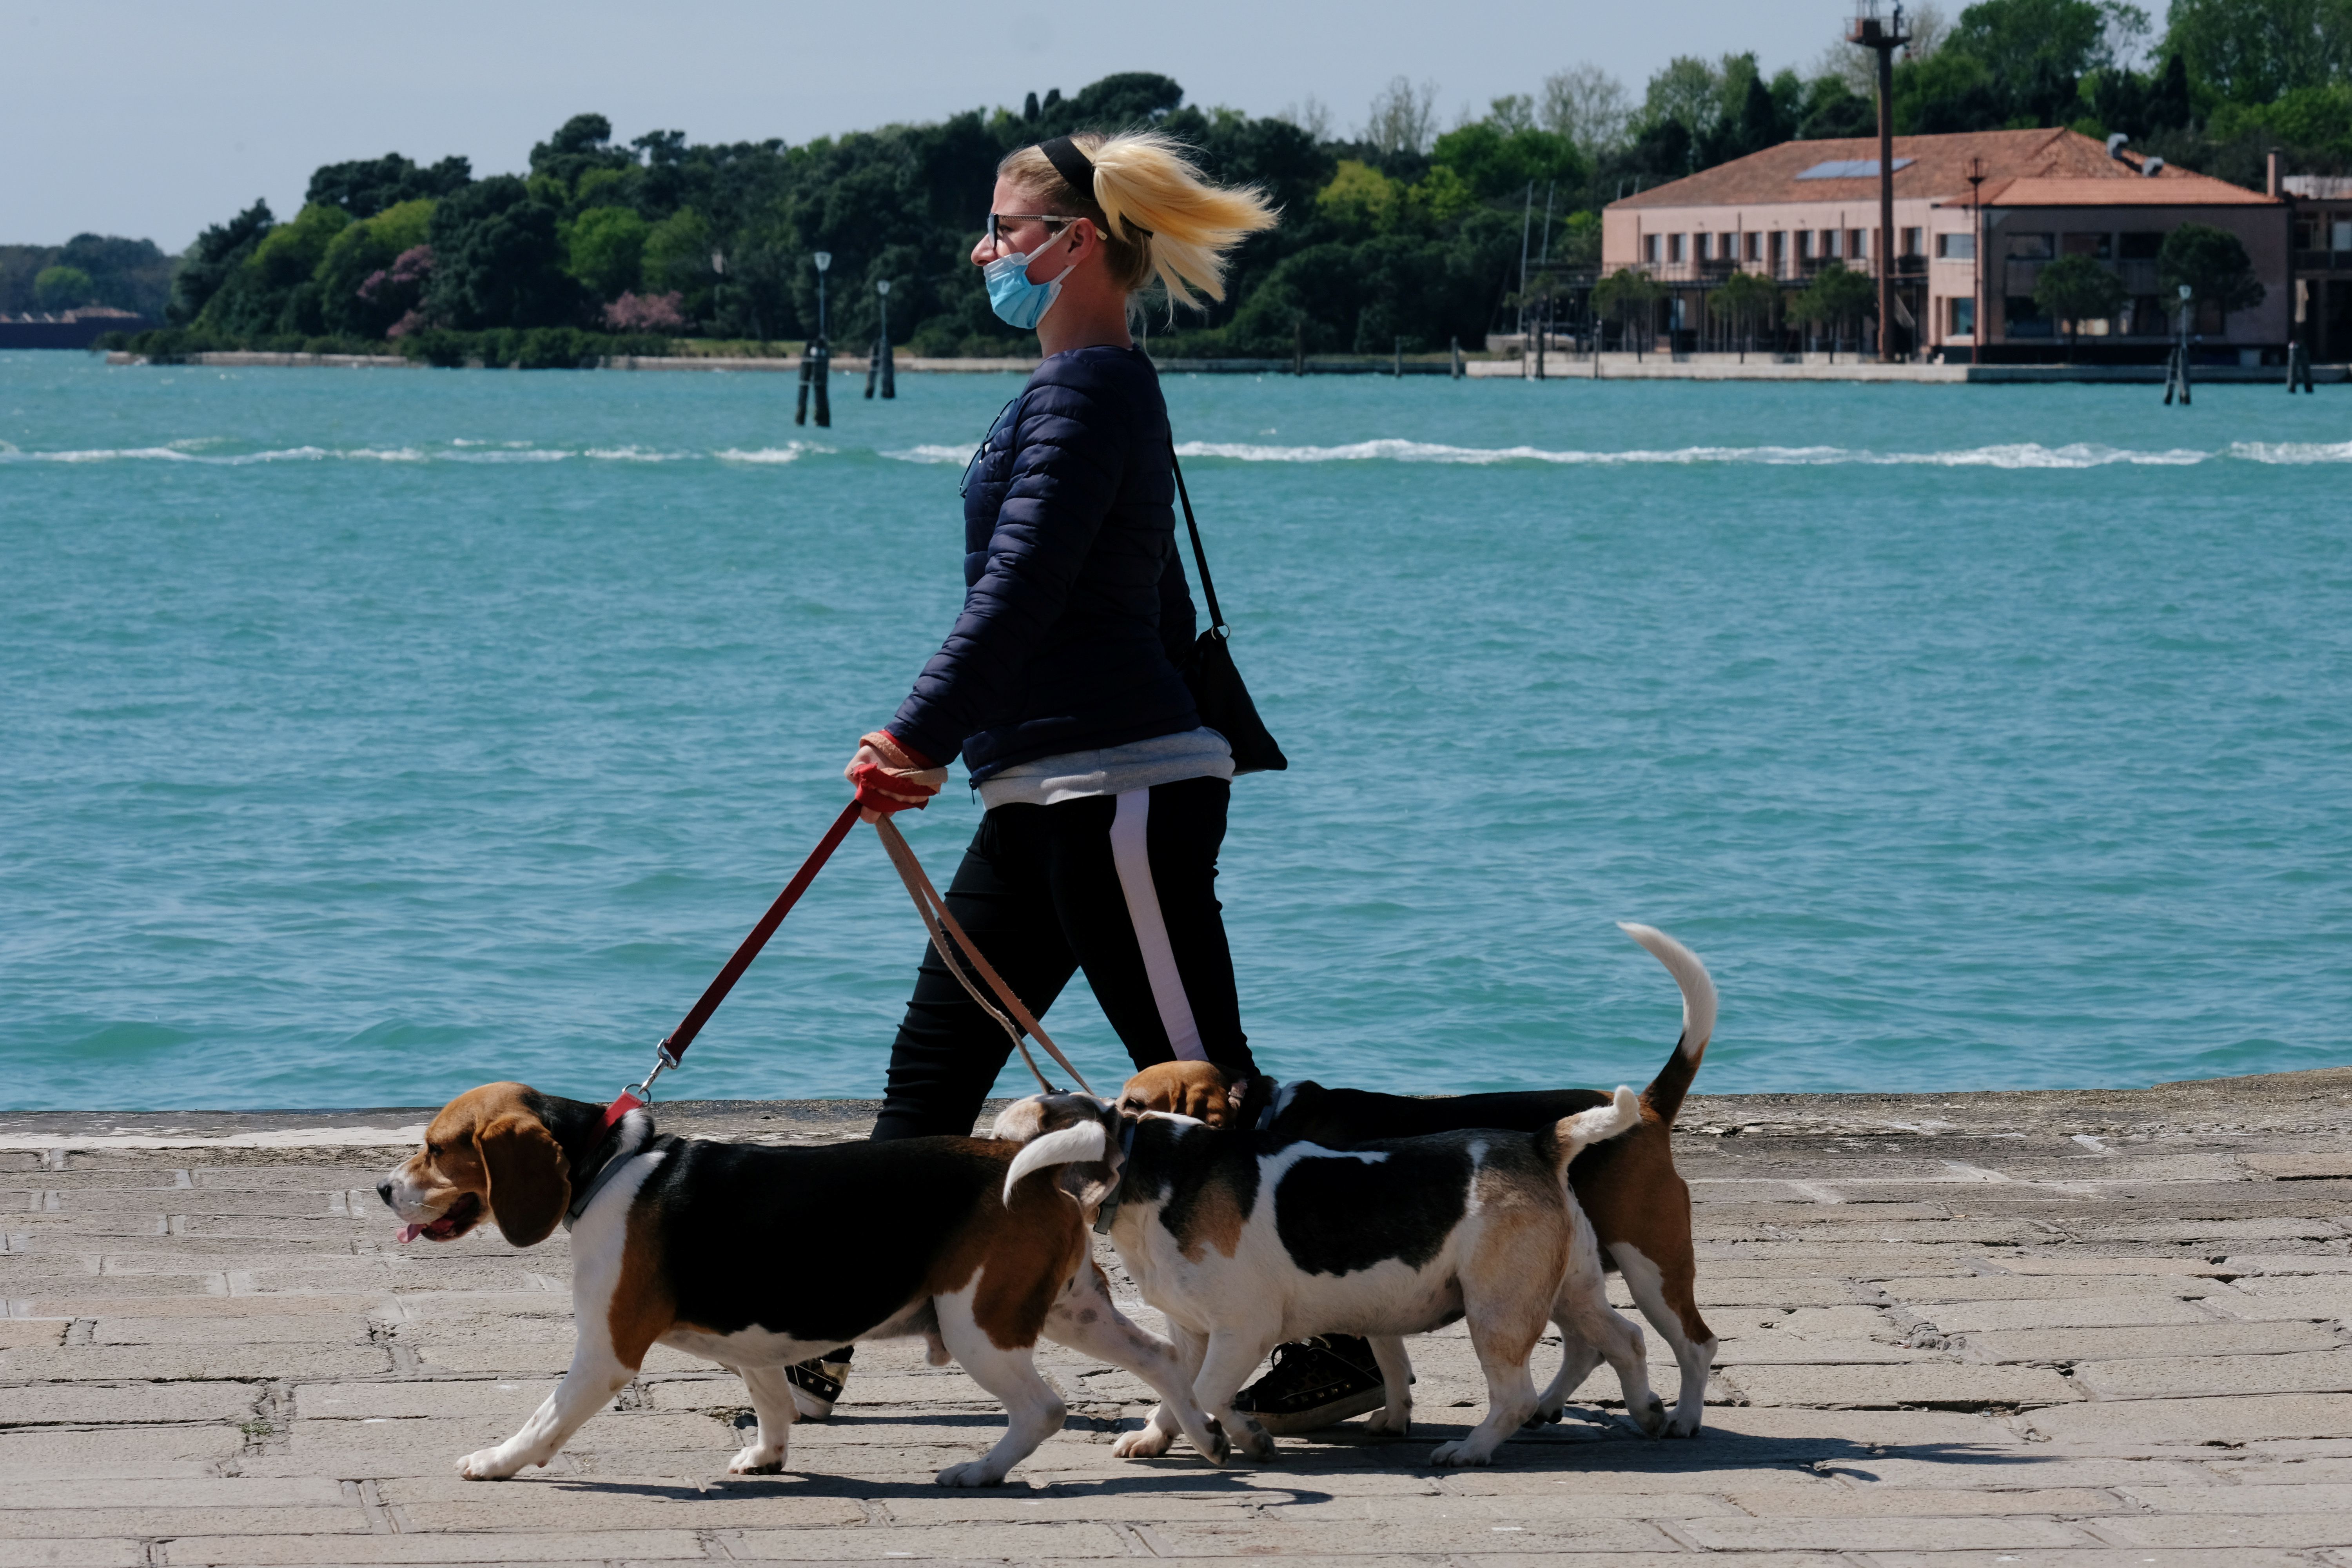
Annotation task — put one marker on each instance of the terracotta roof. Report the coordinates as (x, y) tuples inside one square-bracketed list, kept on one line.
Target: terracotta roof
[(1936, 169), (2190, 190)]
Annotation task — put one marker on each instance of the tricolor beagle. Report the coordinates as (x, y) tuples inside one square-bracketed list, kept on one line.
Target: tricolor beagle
[(701, 1247), (1244, 1241), (1628, 1187)]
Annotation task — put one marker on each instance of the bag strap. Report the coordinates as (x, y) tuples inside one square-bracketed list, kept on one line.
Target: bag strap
[(1208, 588)]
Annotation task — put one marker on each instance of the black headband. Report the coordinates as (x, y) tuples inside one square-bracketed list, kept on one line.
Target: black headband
[(1077, 170)]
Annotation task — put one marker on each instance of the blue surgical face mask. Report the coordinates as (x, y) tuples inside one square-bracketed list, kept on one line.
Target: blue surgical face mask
[(1018, 302)]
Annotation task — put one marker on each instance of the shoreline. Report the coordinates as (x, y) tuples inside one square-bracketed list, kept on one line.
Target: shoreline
[(2316, 1099), (1558, 367)]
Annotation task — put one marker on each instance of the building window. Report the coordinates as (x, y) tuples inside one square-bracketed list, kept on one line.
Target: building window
[(1650, 248), (1756, 246), (1956, 246), (1915, 242), (2144, 245), (1807, 242), (2339, 234), (2022, 317), (2097, 246), (2029, 248), (1829, 245), (1673, 248), (1855, 245), (1780, 249), (1962, 318)]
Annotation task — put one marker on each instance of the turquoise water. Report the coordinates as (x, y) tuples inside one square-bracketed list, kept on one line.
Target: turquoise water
[(370, 734)]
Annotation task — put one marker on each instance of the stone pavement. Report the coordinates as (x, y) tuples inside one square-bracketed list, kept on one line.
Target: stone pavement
[(2029, 1329)]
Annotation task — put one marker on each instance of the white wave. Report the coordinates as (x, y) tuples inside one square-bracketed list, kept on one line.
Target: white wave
[(789, 452), (636, 455), (2025, 454), (930, 453), (525, 454), (2293, 452)]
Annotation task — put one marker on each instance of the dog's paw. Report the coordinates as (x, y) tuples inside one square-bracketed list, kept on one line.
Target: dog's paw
[(1545, 1416), (1149, 1443), (935, 1349), (1390, 1421), (756, 1461), (487, 1465), (1652, 1418), (976, 1473), (1255, 1440), (1460, 1453), (1679, 1426)]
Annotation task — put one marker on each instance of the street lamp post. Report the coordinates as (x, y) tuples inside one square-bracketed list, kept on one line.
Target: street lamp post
[(816, 357), (1884, 36)]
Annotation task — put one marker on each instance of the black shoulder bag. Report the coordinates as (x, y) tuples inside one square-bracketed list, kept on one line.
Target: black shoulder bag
[(1217, 689)]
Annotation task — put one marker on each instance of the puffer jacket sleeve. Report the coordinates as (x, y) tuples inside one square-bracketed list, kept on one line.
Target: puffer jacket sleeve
[(1070, 451)]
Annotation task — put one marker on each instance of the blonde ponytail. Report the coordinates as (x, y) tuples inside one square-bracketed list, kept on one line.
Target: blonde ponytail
[(1160, 219)]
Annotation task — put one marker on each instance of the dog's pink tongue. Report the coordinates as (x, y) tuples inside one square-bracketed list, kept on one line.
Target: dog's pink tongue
[(408, 1233)]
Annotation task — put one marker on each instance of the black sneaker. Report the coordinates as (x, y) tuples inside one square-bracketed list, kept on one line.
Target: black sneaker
[(816, 1383), (1313, 1384)]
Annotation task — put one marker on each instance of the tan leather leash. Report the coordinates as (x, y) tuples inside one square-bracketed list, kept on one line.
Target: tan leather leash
[(946, 934)]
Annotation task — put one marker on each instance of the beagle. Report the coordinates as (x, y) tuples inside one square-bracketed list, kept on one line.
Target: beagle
[(1628, 1187), (695, 1244), (1245, 1240)]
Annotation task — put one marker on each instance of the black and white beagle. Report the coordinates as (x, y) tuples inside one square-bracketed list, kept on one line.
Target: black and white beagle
[(703, 1246), (1245, 1241)]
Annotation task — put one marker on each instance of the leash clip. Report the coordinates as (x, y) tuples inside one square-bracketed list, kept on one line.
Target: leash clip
[(643, 1090)]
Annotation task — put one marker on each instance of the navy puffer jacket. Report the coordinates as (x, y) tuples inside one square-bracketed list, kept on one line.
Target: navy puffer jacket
[(1075, 611)]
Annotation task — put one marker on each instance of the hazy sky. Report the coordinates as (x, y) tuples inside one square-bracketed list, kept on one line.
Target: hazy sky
[(155, 119)]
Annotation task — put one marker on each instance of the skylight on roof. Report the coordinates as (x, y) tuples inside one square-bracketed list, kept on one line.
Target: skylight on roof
[(1851, 169)]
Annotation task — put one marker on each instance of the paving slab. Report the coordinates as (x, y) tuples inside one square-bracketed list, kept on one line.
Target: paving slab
[(1954, 1333)]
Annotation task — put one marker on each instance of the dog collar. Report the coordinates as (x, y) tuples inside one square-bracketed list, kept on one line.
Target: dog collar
[(1108, 1212), (635, 1130)]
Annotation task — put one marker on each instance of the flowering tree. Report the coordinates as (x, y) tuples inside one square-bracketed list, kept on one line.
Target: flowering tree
[(401, 287), (646, 314)]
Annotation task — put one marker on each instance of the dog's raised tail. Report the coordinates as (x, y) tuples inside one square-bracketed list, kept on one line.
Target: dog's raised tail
[(1081, 1145), (1665, 1092), (1571, 1134)]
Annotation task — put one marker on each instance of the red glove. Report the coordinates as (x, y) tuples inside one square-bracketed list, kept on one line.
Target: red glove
[(890, 776)]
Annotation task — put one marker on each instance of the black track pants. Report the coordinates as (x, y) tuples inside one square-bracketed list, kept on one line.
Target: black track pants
[(1123, 887)]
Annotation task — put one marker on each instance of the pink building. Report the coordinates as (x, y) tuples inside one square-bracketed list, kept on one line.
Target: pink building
[(1789, 211)]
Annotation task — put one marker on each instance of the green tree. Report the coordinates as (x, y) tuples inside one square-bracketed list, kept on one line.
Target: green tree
[(2252, 51), (498, 260), (274, 289), (1359, 200), (607, 246), (1742, 300), (1496, 163), (677, 260), (63, 288), (2213, 263), (218, 252), (1632, 298), (360, 252), (366, 186), (2074, 290), (1835, 299)]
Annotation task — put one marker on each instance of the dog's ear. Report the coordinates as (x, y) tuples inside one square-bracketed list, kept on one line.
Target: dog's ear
[(528, 1181)]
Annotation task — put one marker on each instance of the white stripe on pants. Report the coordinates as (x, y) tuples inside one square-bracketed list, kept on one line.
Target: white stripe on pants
[(1130, 852)]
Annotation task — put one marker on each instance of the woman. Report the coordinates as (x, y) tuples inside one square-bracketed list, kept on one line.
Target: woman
[(1059, 684)]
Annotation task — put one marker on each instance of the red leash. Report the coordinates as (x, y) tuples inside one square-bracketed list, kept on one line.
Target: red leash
[(674, 1045)]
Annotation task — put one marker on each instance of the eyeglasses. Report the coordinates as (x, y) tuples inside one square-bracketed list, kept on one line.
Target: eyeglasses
[(996, 221)]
